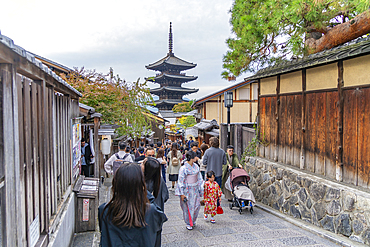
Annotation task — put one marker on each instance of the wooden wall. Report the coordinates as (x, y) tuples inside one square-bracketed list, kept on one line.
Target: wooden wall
[(313, 130)]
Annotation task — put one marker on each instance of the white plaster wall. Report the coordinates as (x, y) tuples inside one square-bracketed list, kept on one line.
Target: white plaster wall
[(63, 235)]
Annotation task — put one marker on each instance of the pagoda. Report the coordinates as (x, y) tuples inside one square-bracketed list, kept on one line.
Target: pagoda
[(170, 79)]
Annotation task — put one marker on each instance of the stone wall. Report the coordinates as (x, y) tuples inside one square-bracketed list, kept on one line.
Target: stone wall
[(334, 206)]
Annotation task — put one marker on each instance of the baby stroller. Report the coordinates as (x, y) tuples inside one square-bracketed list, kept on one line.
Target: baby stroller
[(243, 196)]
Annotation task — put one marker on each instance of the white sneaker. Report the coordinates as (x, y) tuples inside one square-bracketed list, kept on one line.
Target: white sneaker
[(189, 227), (205, 216)]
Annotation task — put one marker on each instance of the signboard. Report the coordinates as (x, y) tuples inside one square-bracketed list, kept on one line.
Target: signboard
[(85, 210), (76, 144)]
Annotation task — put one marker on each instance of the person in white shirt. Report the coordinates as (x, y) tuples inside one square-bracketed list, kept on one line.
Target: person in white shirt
[(108, 166)]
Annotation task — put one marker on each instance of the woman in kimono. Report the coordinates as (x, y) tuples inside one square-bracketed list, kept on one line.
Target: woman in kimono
[(190, 186)]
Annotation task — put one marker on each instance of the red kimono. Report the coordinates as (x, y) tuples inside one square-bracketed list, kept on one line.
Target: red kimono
[(211, 193)]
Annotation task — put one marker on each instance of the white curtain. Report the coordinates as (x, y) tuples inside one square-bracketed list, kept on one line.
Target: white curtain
[(92, 145)]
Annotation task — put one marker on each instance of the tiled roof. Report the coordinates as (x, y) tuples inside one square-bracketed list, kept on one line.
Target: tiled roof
[(171, 114), (171, 59), (181, 78), (30, 57), (169, 101), (206, 124), (174, 89), (354, 48), (218, 93)]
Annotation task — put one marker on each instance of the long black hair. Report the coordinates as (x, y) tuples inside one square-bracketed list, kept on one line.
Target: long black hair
[(128, 205), (190, 155), (152, 174)]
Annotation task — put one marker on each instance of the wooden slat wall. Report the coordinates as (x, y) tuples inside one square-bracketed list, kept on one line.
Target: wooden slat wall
[(356, 137), (44, 150), (320, 141)]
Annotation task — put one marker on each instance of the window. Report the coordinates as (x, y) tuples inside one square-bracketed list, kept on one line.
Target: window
[(244, 94), (255, 91)]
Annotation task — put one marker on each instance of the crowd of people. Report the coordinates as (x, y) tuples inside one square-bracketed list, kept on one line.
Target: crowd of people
[(135, 214)]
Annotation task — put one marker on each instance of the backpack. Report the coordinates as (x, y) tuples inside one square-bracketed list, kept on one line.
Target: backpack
[(118, 162), (175, 161)]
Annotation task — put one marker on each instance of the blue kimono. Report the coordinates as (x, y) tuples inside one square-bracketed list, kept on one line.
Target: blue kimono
[(190, 184)]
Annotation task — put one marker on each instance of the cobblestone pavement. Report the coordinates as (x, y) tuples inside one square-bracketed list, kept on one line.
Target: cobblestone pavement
[(233, 229)]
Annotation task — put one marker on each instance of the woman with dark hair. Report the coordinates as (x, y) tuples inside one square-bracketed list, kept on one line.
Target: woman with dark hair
[(163, 161), (190, 189), (174, 157), (155, 185), (154, 182), (129, 219), (202, 167)]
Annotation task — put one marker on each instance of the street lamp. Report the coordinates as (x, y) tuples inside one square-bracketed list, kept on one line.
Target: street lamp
[(228, 98)]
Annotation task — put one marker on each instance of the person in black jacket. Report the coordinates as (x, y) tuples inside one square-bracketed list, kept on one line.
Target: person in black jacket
[(86, 157), (155, 185), (130, 218)]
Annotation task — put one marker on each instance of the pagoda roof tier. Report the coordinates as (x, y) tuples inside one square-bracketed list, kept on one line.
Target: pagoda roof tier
[(169, 101), (170, 61), (181, 90), (179, 78)]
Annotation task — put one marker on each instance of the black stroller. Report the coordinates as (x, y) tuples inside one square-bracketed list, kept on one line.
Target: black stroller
[(243, 196)]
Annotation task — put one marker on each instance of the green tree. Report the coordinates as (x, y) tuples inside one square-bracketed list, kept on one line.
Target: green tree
[(268, 31), (183, 107), (118, 101), (188, 121)]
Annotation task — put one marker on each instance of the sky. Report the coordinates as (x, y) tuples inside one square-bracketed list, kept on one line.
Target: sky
[(125, 35)]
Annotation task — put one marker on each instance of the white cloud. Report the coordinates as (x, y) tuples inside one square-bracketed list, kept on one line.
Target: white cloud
[(125, 35)]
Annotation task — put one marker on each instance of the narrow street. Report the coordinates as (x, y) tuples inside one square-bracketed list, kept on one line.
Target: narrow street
[(232, 229)]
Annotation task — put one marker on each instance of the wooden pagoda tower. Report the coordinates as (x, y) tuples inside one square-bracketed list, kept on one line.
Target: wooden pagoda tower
[(170, 79)]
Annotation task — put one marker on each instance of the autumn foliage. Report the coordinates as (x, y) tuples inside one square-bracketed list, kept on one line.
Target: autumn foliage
[(120, 102)]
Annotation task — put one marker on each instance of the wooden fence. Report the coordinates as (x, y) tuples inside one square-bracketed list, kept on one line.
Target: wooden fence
[(35, 173), (302, 130)]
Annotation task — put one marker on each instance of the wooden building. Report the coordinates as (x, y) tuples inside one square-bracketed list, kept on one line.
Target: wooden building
[(244, 110), (37, 109), (170, 79), (314, 113)]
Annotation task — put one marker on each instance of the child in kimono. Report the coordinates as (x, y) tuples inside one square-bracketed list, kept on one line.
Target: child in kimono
[(212, 192), (190, 189)]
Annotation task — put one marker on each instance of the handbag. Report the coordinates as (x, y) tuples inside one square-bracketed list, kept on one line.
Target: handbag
[(220, 210)]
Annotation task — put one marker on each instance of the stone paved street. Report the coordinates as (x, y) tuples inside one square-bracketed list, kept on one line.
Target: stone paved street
[(232, 229)]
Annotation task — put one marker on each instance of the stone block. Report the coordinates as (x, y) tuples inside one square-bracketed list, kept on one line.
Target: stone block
[(300, 181), (259, 179), (343, 225), (366, 236), (333, 208), (256, 173), (307, 183), (305, 213), (362, 203), (358, 226), (252, 161), (279, 175), (266, 177), (309, 203), (332, 194), (317, 191), (274, 171), (295, 212), (302, 195), (320, 210), (273, 189), (357, 239), (328, 223), (294, 188), (259, 164), (268, 167), (348, 201)]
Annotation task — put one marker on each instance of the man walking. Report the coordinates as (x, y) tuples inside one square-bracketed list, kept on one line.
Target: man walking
[(108, 166), (85, 158), (214, 158)]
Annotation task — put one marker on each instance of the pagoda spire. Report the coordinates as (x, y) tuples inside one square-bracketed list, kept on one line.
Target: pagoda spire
[(170, 42)]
